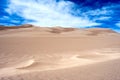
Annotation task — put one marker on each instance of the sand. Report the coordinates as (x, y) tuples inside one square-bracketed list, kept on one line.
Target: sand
[(36, 53)]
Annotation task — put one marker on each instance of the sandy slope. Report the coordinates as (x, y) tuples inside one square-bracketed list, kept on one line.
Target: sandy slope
[(59, 54)]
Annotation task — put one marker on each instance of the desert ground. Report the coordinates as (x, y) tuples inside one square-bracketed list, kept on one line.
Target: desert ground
[(44, 53)]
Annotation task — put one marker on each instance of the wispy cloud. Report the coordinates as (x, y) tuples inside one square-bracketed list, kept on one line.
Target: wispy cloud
[(48, 13)]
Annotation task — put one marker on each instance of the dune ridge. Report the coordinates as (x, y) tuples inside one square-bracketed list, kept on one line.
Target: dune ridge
[(75, 60)]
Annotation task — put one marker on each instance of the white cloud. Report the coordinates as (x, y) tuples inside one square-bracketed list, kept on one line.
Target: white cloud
[(101, 14), (101, 11), (102, 18), (48, 13), (4, 18), (118, 24)]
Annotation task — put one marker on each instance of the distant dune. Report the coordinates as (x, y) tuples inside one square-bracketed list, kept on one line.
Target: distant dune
[(29, 52), (15, 27), (97, 31)]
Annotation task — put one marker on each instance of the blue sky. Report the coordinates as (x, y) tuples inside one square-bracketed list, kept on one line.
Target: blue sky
[(67, 13)]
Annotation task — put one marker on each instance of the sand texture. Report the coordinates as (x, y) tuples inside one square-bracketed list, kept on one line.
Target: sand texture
[(42, 53)]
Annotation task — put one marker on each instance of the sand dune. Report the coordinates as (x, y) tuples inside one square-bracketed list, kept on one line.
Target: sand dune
[(33, 53)]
